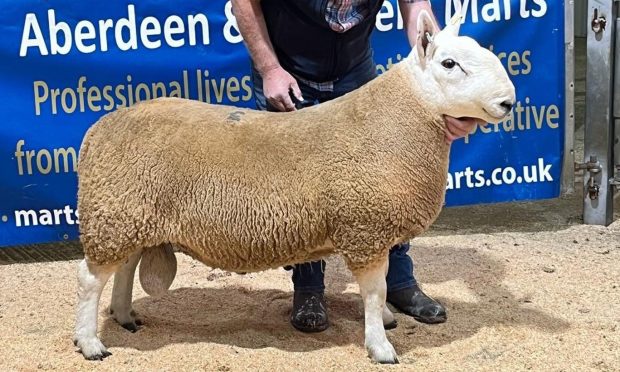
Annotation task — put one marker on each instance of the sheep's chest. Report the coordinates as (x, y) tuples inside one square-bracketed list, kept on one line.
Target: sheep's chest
[(427, 188)]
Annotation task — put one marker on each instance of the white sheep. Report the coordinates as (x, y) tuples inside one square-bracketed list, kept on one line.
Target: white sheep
[(245, 190)]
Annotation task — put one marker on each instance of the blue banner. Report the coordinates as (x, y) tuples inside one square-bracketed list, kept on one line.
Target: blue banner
[(65, 63)]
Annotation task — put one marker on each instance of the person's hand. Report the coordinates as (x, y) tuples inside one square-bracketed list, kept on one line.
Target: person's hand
[(459, 127), (277, 84)]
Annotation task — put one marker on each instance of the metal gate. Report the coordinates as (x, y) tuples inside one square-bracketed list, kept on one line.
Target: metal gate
[(602, 127)]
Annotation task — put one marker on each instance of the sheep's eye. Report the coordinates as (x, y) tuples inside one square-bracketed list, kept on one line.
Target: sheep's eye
[(448, 63)]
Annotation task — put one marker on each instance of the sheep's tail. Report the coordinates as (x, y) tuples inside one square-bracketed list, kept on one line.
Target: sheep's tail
[(158, 268)]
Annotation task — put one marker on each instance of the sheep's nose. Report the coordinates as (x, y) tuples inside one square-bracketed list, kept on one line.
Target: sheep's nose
[(507, 105)]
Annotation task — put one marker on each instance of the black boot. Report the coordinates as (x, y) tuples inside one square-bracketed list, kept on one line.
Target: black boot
[(309, 312), (412, 301)]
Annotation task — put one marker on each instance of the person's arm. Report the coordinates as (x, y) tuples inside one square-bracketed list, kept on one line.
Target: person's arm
[(276, 81), (410, 9)]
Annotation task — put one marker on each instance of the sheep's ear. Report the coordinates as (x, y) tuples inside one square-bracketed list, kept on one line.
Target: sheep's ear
[(426, 31), (454, 25)]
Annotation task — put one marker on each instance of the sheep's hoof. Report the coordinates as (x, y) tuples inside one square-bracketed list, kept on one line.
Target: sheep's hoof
[(391, 325), (389, 322), (131, 327), (93, 349), (100, 357), (395, 361), (383, 353), (129, 322)]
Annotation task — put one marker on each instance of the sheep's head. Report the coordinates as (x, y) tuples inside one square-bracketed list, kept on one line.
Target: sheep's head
[(459, 77)]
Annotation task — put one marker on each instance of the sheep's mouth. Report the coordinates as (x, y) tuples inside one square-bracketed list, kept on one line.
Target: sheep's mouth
[(498, 117)]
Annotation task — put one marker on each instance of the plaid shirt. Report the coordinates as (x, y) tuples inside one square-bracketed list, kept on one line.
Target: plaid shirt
[(342, 15)]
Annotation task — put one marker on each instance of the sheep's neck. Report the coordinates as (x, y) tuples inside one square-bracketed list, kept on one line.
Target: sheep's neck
[(404, 137), (400, 97)]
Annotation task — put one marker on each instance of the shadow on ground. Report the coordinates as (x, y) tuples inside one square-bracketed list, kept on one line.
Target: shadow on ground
[(536, 216), (238, 317)]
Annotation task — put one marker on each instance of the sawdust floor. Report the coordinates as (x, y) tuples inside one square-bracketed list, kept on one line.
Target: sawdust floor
[(527, 287)]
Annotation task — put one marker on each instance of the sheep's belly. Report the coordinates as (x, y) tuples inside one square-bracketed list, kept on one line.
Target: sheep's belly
[(229, 260)]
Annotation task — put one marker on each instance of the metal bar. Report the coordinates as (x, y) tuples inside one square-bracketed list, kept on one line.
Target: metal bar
[(598, 193), (616, 108), (616, 129), (581, 10), (568, 174)]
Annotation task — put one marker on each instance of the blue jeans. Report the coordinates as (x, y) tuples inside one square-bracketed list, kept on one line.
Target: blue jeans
[(309, 276)]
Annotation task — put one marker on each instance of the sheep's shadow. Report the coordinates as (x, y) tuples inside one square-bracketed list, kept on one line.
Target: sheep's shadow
[(232, 316), (256, 319)]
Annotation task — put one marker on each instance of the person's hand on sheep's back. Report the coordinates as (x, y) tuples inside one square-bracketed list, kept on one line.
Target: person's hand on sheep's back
[(459, 127), (277, 83)]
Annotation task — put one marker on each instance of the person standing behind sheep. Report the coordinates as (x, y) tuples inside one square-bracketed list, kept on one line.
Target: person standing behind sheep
[(314, 51)]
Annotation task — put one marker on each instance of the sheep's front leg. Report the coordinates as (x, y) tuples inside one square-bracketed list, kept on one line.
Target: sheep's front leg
[(91, 280), (373, 289), (120, 308)]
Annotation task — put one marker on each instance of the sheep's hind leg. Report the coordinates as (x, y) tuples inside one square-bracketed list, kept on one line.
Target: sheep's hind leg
[(120, 307), (373, 289), (389, 322), (91, 280)]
